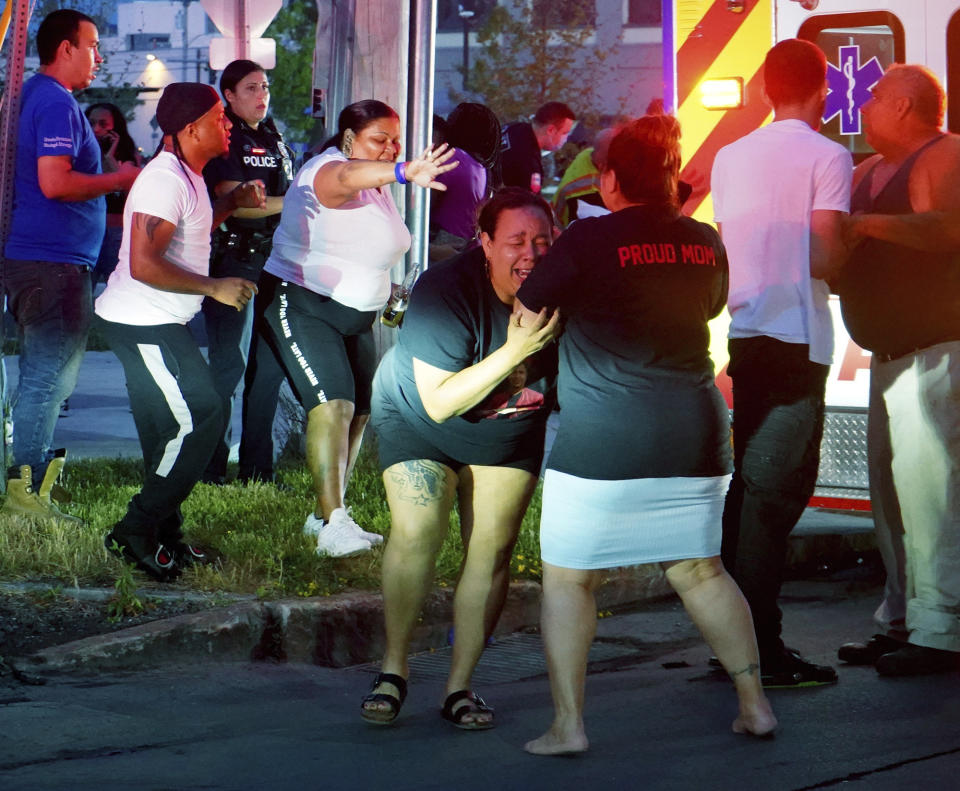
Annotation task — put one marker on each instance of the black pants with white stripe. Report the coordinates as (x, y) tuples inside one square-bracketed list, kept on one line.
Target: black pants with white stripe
[(179, 419)]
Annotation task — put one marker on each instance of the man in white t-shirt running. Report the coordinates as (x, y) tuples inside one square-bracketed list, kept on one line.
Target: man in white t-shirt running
[(780, 194), (157, 287)]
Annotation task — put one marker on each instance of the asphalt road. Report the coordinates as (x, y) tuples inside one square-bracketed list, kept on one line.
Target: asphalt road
[(657, 718)]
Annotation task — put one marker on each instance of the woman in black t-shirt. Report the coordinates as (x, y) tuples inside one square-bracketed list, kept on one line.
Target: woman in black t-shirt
[(641, 463), (117, 147), (459, 408)]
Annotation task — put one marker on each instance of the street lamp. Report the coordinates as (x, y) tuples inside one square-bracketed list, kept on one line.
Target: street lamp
[(156, 64), (465, 15)]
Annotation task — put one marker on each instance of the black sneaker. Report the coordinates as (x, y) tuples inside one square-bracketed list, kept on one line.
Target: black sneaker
[(185, 554), (869, 652), (790, 670), (918, 660), (152, 558)]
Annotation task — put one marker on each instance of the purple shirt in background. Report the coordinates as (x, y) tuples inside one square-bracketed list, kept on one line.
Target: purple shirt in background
[(455, 210)]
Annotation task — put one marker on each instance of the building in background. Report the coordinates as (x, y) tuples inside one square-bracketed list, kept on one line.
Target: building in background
[(148, 44)]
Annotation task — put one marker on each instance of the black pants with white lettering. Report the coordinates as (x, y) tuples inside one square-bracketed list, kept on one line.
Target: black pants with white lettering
[(179, 419), (778, 405)]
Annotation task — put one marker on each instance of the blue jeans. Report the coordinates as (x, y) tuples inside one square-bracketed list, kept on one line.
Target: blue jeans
[(778, 405), (52, 305)]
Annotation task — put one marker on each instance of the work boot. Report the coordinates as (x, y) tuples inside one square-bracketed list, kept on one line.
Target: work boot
[(22, 499), (50, 486)]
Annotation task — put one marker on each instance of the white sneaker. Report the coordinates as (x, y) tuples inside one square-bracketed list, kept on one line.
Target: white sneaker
[(336, 540), (374, 538), (312, 526)]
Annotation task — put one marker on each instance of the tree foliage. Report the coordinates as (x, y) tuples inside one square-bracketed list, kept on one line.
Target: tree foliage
[(107, 87), (291, 82), (535, 52)]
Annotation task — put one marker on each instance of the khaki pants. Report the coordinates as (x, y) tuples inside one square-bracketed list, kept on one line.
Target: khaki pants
[(921, 392)]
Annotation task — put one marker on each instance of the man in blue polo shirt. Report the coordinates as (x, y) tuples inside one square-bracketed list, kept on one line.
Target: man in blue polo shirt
[(54, 239)]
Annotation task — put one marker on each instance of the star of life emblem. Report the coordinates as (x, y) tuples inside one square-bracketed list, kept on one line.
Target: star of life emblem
[(850, 86)]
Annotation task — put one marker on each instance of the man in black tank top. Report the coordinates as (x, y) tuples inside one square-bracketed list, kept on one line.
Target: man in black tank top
[(900, 295)]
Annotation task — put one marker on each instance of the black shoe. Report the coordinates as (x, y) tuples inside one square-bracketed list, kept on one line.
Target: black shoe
[(790, 670), (152, 558), (917, 660), (869, 652), (185, 555)]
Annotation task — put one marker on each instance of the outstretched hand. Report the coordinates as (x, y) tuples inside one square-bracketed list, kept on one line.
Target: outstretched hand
[(250, 195), (424, 170), (531, 338), (233, 291)]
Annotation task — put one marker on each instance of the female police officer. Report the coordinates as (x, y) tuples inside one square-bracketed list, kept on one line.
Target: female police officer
[(242, 244)]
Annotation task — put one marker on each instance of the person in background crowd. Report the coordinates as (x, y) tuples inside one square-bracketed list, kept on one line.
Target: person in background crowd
[(900, 296), (55, 237), (116, 147), (581, 181), (474, 133), (637, 288), (327, 276), (157, 287), (460, 405), (780, 195), (522, 143), (241, 246)]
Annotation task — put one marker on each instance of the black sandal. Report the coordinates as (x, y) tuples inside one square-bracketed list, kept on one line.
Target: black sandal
[(475, 705), (376, 716)]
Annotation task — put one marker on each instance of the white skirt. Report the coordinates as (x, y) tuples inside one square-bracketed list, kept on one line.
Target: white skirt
[(592, 524)]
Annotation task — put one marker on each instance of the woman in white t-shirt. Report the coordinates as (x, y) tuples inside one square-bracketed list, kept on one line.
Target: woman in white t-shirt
[(339, 236)]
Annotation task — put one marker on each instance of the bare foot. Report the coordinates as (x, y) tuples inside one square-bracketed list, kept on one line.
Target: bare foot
[(560, 741), (756, 720)]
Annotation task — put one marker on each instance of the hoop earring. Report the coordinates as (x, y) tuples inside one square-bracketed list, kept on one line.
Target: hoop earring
[(347, 144)]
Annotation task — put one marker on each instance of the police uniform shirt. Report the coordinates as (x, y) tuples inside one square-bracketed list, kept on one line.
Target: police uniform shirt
[(636, 289), (519, 155), (254, 154)]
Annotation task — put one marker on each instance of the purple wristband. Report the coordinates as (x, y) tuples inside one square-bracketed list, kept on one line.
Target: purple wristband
[(399, 170)]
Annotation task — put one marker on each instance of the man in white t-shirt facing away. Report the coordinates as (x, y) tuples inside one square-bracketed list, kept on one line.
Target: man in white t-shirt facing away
[(780, 194), (157, 287)]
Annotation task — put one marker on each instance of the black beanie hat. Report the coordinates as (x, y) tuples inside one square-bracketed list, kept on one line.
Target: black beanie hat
[(183, 103)]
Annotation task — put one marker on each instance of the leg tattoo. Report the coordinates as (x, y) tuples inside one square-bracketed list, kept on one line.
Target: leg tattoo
[(748, 670), (419, 482)]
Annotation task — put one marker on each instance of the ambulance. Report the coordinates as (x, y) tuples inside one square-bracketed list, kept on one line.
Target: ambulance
[(713, 57)]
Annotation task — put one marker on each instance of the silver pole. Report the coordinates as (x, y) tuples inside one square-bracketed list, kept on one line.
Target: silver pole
[(9, 120), (243, 32), (186, 37), (343, 37), (423, 23)]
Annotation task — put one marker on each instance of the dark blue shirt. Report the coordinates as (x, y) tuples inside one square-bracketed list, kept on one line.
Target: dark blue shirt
[(68, 232)]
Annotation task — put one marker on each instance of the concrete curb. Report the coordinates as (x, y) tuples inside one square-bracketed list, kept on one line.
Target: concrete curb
[(344, 630), (333, 632)]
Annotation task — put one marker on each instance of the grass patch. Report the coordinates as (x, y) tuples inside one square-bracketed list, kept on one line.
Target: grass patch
[(255, 531)]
